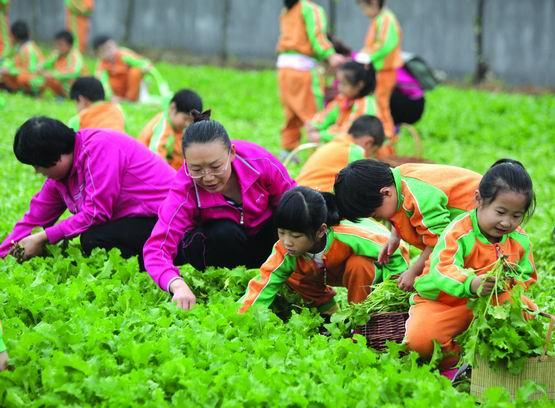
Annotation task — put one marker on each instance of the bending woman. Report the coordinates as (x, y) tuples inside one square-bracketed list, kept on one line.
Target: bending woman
[(219, 209)]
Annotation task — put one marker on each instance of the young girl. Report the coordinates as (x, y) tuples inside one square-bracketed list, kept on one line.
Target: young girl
[(420, 200), (3, 352), (164, 132), (466, 250), (382, 46), (314, 253), (356, 84), (219, 209)]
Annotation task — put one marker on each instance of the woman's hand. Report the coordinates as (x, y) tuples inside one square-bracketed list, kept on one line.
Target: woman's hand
[(32, 245), (481, 286), (182, 295), (390, 247), (4, 360)]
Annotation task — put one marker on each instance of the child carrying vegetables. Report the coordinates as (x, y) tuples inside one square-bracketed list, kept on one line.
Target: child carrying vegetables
[(314, 253), (420, 200), (468, 248)]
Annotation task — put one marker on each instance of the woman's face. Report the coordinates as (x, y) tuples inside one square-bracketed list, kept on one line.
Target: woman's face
[(209, 164)]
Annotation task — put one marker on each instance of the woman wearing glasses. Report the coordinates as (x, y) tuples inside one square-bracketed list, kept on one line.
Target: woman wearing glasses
[(218, 211)]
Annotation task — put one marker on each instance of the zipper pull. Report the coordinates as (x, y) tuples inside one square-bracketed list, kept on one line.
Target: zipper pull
[(241, 220)]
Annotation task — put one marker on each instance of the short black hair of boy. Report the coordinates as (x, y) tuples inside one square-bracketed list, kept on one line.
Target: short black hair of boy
[(20, 30), (508, 175), (100, 40), (186, 100), (64, 35), (88, 87), (357, 188), (368, 125), (41, 141)]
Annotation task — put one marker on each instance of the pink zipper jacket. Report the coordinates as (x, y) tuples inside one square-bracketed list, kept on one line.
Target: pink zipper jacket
[(113, 176), (263, 180)]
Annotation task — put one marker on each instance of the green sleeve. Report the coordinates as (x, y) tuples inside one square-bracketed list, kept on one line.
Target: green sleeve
[(355, 153), (33, 60), (74, 123), (263, 289), (447, 272), (316, 30), (103, 77), (391, 39), (2, 344), (526, 267), (137, 62), (324, 120)]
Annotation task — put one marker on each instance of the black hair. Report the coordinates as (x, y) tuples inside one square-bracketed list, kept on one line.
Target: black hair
[(64, 35), (304, 210), (88, 87), (100, 40), (381, 3), (357, 188), (508, 175), (339, 46), (20, 30), (356, 72), (368, 125), (40, 141), (289, 3), (204, 130), (186, 101)]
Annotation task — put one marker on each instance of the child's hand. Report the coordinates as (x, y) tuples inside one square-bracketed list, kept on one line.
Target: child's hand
[(335, 60), (312, 134), (182, 295), (482, 287), (4, 360), (390, 247), (405, 281)]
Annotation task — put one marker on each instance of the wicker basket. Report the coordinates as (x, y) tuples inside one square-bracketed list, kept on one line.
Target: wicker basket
[(538, 369), (383, 327)]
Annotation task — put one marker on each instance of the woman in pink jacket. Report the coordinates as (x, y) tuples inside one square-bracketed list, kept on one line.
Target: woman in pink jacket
[(112, 184), (219, 209)]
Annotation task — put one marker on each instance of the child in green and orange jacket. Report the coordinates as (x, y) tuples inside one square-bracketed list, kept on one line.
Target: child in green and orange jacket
[(78, 16), (356, 85), (419, 200), (362, 140), (3, 352), (64, 66), (163, 134), (468, 248), (5, 42), (314, 253), (382, 47), (19, 71)]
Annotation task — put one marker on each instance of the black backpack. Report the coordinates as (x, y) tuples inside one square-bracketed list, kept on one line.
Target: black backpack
[(421, 71)]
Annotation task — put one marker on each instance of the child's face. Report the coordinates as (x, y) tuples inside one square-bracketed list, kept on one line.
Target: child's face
[(58, 171), (62, 46), (179, 120), (371, 9), (389, 204), (108, 50), (502, 215), (345, 87), (298, 243)]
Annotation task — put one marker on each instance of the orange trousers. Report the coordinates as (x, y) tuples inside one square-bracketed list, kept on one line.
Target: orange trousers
[(22, 81), (56, 86), (356, 274), (79, 26), (128, 86), (299, 93), (385, 83), (430, 320)]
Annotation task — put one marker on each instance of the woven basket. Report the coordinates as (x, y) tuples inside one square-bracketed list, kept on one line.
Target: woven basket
[(538, 369), (383, 327)]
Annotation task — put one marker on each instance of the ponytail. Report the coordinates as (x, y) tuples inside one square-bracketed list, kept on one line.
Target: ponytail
[(204, 130)]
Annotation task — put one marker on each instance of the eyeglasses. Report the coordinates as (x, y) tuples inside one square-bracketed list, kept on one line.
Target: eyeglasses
[(197, 174)]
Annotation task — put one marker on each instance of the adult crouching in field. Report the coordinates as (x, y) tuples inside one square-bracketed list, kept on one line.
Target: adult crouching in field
[(111, 184), (219, 209)]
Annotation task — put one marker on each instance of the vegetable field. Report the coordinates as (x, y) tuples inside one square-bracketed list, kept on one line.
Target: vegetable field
[(96, 332)]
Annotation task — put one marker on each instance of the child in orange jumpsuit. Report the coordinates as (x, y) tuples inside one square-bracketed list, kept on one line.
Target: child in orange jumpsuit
[(315, 253), (419, 200), (78, 15), (467, 249)]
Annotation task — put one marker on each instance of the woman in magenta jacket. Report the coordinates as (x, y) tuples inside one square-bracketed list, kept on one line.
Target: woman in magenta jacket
[(218, 211)]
